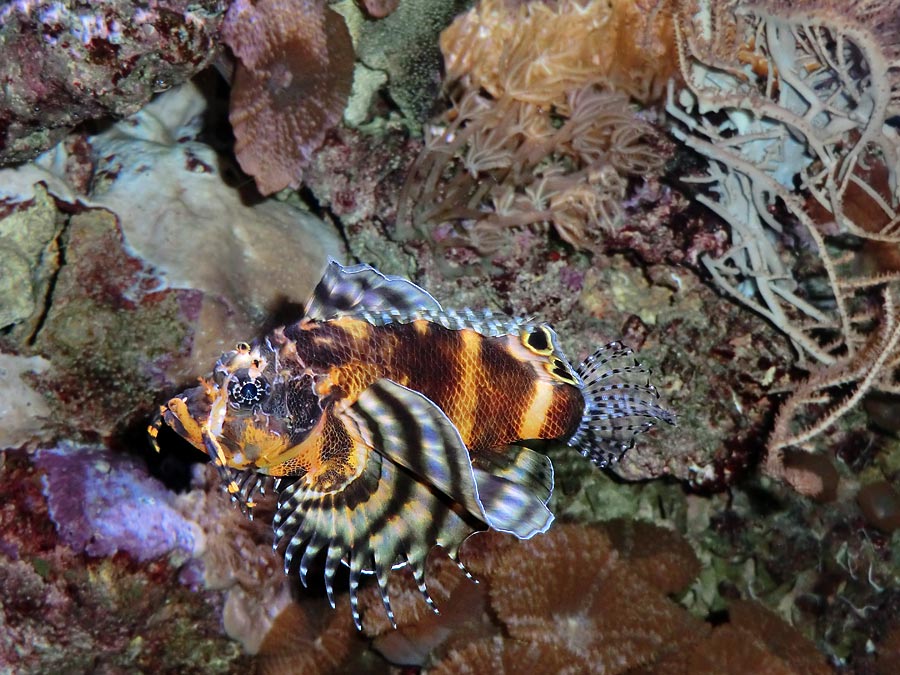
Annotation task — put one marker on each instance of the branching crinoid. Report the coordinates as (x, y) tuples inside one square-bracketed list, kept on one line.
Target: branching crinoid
[(541, 131), (790, 103)]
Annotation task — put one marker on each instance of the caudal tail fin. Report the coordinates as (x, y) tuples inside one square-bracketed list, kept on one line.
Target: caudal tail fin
[(620, 403)]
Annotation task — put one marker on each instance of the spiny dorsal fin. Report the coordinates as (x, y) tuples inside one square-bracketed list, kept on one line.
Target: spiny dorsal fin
[(361, 288), (483, 321)]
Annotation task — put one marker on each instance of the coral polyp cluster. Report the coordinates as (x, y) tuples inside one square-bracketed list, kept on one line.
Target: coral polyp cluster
[(541, 131), (539, 51)]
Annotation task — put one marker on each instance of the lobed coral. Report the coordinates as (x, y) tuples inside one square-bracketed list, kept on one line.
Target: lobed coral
[(791, 105), (578, 599), (291, 84), (540, 131)]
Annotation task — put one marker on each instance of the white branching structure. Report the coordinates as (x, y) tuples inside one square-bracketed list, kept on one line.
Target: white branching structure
[(792, 105)]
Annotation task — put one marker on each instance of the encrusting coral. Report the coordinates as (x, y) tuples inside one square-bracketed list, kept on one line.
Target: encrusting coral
[(566, 597), (578, 599), (292, 81), (791, 105), (541, 130)]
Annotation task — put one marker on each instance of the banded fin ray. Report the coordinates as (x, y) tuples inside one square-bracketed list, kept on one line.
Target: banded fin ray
[(361, 288), (484, 321), (382, 517), (520, 465), (514, 486), (620, 403), (507, 503)]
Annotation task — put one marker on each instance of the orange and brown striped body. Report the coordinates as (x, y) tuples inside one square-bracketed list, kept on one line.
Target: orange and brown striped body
[(495, 390), (392, 425)]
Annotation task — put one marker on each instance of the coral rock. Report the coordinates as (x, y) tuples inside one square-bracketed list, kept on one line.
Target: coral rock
[(165, 265), (104, 503), (237, 558), (404, 45), (29, 255), (66, 62), (22, 407)]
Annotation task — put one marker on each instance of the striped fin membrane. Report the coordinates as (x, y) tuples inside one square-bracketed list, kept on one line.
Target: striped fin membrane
[(348, 290), (416, 488), (436, 454), (380, 299), (620, 403), (514, 486)]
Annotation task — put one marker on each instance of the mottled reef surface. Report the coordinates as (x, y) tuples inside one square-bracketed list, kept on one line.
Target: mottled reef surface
[(714, 182)]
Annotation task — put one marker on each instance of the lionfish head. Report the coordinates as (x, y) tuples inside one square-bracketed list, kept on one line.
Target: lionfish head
[(246, 416)]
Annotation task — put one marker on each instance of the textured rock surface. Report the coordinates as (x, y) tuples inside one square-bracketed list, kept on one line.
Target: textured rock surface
[(165, 265), (67, 62), (29, 256), (66, 612)]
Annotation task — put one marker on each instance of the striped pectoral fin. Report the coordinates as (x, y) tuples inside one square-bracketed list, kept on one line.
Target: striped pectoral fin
[(514, 485), (380, 516), (415, 433), (507, 491)]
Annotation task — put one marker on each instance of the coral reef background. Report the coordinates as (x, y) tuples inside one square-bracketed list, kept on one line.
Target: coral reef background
[(715, 182)]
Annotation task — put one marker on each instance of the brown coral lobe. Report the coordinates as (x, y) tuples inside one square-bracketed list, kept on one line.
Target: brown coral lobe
[(292, 81)]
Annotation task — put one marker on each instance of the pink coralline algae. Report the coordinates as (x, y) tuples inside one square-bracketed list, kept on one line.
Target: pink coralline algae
[(104, 503), (67, 62)]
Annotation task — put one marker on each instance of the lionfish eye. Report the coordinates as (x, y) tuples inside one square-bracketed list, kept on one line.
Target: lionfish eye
[(246, 391)]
